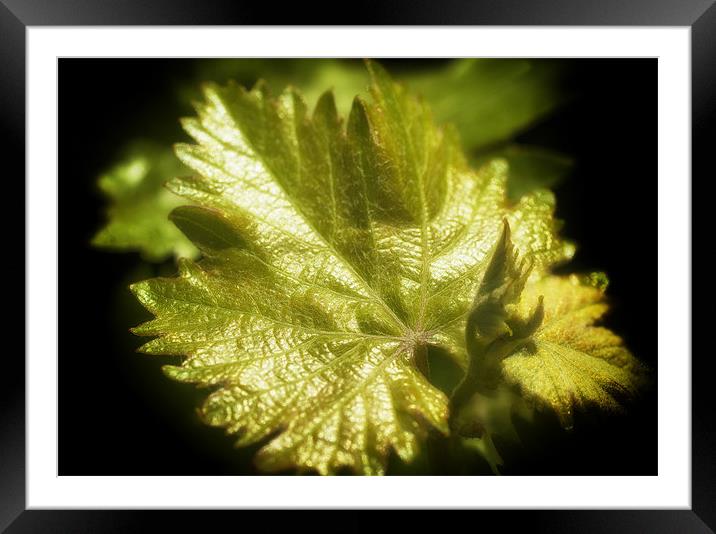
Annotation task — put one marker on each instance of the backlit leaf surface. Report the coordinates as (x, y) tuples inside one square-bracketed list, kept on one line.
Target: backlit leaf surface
[(570, 362), (333, 255), (537, 333), (488, 100)]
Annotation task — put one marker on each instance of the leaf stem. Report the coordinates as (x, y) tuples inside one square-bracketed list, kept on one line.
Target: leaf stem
[(470, 383), (420, 352)]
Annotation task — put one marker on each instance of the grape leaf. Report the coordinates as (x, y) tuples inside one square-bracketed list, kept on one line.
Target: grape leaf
[(346, 77), (569, 362), (137, 215), (494, 413), (537, 333), (488, 100), (332, 257), (481, 404), (531, 168)]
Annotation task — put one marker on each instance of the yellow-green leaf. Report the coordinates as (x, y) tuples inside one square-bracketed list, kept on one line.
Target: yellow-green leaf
[(531, 168), (570, 362), (488, 100), (333, 254), (139, 204)]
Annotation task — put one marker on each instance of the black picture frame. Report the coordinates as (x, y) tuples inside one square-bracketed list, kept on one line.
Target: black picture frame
[(700, 15)]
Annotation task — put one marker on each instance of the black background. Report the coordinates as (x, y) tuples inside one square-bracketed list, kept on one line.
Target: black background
[(118, 415)]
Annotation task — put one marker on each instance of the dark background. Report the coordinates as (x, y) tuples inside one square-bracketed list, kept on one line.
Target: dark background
[(119, 415)]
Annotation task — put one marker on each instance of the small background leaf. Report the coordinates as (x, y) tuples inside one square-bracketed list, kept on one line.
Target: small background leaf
[(490, 100), (139, 204), (531, 168)]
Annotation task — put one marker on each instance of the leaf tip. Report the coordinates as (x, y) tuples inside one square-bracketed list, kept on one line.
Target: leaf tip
[(137, 332), (377, 72), (136, 287), (505, 236), (101, 238), (358, 124), (209, 89), (498, 166), (598, 280), (326, 106), (173, 372), (142, 292)]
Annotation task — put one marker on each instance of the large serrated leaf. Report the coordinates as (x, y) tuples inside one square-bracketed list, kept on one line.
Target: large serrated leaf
[(333, 255)]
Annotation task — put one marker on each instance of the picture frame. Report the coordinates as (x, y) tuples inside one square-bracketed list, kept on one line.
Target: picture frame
[(700, 16)]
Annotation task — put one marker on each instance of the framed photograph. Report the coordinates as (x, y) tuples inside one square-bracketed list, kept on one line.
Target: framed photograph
[(410, 263)]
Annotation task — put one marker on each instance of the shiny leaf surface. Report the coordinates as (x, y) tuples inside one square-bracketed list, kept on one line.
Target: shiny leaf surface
[(488, 100), (333, 255), (536, 333)]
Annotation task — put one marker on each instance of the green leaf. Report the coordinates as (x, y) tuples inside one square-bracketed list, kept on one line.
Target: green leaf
[(140, 204), (481, 405), (492, 415), (536, 333), (491, 100), (531, 168), (485, 446), (312, 76), (492, 331), (488, 100), (569, 361), (333, 255)]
